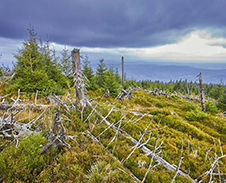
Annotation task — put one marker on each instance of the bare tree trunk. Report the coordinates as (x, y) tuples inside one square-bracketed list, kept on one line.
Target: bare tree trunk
[(188, 92), (202, 93), (123, 71), (79, 85)]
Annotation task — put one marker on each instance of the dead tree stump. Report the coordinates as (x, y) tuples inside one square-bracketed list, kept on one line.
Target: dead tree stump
[(202, 93), (123, 74), (81, 101), (188, 92), (57, 136)]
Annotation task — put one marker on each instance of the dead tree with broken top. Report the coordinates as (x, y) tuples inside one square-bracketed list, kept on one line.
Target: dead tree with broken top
[(201, 93), (123, 73), (81, 101), (187, 88)]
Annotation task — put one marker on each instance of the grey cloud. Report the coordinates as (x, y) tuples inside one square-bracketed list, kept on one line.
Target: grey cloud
[(105, 23), (219, 44)]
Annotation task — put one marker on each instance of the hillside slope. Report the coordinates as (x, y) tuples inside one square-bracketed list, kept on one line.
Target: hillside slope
[(123, 141)]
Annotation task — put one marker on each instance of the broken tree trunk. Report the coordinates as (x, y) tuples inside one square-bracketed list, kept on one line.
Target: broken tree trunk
[(188, 92), (57, 136), (202, 93), (123, 71), (81, 101)]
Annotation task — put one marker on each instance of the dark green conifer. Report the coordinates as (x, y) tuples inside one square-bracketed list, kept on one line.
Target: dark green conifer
[(111, 84), (65, 62), (101, 74), (117, 77), (89, 74), (35, 70)]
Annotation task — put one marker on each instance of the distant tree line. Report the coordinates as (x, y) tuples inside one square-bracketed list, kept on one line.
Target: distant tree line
[(214, 91)]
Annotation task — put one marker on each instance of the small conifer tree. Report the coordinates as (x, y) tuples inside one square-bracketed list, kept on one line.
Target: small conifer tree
[(89, 74), (65, 62), (111, 84), (35, 70), (101, 74)]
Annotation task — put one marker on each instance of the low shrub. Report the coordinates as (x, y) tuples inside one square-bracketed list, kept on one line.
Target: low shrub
[(212, 108), (23, 163)]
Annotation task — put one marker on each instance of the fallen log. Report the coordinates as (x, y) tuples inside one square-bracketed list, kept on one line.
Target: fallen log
[(34, 107)]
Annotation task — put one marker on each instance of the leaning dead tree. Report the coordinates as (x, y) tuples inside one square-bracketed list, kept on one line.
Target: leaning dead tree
[(201, 92), (81, 101)]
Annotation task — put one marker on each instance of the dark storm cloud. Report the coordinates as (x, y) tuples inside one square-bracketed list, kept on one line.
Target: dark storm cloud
[(105, 23)]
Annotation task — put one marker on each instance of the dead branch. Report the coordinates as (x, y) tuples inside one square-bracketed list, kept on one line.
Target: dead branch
[(11, 128), (140, 140), (147, 151), (129, 172), (125, 94), (153, 154), (218, 167), (214, 164), (181, 158), (59, 101), (5, 96), (116, 134)]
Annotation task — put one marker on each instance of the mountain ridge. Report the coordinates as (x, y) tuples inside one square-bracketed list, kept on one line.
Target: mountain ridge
[(165, 73)]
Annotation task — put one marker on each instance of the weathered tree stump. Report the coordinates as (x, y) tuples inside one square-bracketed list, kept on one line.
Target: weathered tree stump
[(81, 100), (57, 135)]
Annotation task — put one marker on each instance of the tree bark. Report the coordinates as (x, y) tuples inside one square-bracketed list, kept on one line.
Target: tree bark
[(81, 101), (188, 92), (123, 74), (202, 93)]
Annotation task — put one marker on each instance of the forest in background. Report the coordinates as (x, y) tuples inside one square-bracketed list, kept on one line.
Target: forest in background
[(39, 69)]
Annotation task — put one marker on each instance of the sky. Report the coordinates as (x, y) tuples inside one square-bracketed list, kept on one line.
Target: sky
[(144, 30)]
